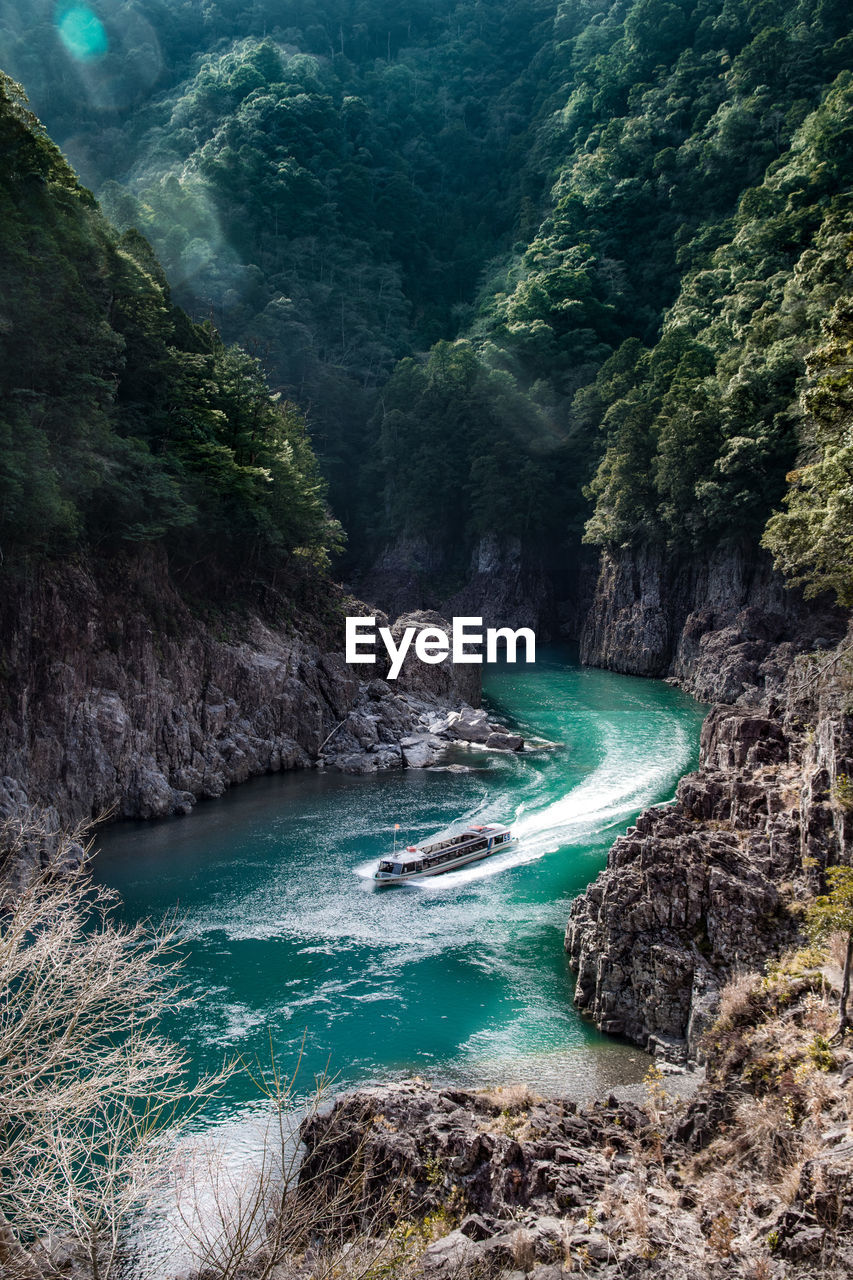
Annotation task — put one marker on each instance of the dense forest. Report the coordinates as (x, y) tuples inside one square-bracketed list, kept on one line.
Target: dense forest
[(568, 271), (123, 420)]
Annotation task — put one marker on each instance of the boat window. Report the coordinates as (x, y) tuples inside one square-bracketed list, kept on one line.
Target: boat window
[(386, 866), (409, 866)]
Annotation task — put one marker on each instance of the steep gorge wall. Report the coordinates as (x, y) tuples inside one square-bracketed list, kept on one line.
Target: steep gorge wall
[(116, 695), (724, 625), (504, 582), (714, 882)]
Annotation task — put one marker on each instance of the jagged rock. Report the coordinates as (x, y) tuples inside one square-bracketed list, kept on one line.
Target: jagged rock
[(409, 1131), (31, 836), (505, 741), (550, 1190), (422, 750), (445, 682), (451, 1254), (692, 891), (804, 1245), (716, 623), (475, 1228), (506, 585), (470, 726), (121, 698)]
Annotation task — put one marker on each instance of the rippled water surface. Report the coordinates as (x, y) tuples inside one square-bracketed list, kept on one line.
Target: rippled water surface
[(460, 977)]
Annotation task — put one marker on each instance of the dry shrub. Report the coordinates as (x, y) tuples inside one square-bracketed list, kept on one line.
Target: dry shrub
[(265, 1219), (721, 1235), (632, 1211), (822, 1095), (818, 1013), (510, 1097), (737, 998), (763, 1137), (523, 1251), (91, 1092), (837, 949), (721, 1191)]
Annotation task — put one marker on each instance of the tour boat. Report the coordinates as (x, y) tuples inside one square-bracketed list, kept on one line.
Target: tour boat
[(416, 862)]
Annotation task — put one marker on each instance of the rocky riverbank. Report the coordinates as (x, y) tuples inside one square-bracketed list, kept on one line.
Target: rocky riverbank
[(677, 946), (747, 1179), (118, 696), (725, 626), (716, 882)]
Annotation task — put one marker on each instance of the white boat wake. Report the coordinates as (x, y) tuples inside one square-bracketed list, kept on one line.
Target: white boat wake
[(623, 783)]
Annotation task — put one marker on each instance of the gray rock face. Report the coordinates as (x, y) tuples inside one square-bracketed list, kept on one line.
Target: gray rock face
[(31, 837), (446, 681), (432, 1140), (696, 890), (471, 727), (119, 698), (714, 624), (504, 586), (536, 1188)]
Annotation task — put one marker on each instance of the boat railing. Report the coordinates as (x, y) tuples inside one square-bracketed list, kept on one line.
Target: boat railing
[(464, 846)]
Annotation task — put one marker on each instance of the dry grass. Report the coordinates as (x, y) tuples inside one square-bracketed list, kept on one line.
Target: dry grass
[(510, 1097), (523, 1252), (837, 951), (737, 998)]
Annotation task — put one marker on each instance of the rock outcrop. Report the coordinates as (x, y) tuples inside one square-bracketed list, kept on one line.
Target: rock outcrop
[(510, 1165), (503, 583), (31, 837), (515, 1186), (117, 696), (711, 884), (716, 624)]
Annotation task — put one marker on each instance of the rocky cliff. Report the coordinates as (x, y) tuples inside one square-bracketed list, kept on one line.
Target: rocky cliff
[(740, 1182), (117, 695), (504, 583), (714, 623), (714, 883)]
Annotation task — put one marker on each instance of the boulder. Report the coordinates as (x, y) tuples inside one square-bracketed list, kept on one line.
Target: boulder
[(470, 726), (505, 742)]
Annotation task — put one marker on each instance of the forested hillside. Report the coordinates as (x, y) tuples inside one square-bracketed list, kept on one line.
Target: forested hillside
[(563, 270), (123, 421)]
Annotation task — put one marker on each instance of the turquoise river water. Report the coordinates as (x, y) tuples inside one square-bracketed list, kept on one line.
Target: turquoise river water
[(463, 977)]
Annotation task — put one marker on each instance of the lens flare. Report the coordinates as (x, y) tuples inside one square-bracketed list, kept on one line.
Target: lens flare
[(82, 33)]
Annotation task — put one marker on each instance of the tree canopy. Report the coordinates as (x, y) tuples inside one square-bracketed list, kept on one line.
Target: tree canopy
[(542, 267), (122, 419)]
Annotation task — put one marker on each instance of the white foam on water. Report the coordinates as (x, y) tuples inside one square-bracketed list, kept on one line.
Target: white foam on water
[(637, 765), (621, 784)]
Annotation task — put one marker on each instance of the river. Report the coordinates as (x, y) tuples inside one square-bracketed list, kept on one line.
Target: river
[(463, 977)]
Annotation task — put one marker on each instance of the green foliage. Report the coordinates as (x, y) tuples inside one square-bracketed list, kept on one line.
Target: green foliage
[(531, 267), (452, 436), (121, 419), (832, 912), (698, 448), (812, 539), (821, 1054), (332, 206), (842, 791)]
